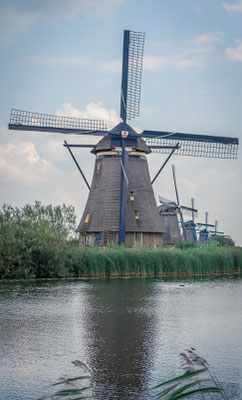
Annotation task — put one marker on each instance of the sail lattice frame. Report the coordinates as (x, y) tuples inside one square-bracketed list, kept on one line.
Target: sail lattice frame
[(135, 64), (34, 119), (195, 148)]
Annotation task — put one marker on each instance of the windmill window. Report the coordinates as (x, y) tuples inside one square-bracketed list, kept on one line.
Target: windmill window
[(87, 218), (136, 214), (131, 196), (98, 165)]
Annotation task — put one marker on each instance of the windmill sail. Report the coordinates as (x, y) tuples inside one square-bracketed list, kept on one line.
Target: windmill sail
[(133, 51), (169, 203), (165, 201), (192, 145), (189, 211), (33, 121)]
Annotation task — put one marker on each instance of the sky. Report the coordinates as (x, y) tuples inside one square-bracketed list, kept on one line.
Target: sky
[(64, 57)]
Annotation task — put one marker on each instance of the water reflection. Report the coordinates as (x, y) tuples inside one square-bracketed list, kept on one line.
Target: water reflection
[(120, 338), (129, 331)]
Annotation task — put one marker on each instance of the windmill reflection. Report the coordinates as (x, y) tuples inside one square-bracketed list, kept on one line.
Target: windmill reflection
[(119, 339)]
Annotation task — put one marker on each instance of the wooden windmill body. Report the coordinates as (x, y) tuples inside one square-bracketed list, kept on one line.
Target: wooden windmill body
[(169, 212), (100, 221), (169, 220)]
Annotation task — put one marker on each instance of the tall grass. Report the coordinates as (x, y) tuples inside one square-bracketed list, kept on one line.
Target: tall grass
[(37, 242), (93, 262), (198, 380), (51, 258)]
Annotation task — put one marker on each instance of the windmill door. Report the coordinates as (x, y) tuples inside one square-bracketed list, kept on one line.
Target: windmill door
[(138, 239)]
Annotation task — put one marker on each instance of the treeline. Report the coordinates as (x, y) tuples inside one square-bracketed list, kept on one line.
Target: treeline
[(39, 241)]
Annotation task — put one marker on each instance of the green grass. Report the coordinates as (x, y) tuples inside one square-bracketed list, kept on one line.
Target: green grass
[(51, 259), (38, 242)]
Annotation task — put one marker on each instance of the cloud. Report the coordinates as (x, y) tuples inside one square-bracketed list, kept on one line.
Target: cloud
[(35, 166), (194, 54), (17, 16), (90, 8), (153, 63), (113, 66), (198, 49), (14, 22), (91, 111), (54, 61), (234, 8), (209, 38), (189, 62), (20, 161), (235, 53)]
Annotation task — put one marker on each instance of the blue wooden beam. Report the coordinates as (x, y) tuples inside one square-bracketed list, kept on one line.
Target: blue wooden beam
[(124, 84), (20, 127), (166, 161), (75, 161), (123, 195), (189, 137)]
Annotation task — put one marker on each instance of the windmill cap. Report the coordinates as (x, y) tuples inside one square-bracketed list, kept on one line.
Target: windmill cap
[(108, 142)]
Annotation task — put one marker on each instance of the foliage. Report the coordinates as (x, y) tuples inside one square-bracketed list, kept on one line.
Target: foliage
[(186, 245), (39, 241), (222, 240), (33, 240), (197, 379)]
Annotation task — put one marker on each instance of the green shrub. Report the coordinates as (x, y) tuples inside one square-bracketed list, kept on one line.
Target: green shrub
[(33, 240)]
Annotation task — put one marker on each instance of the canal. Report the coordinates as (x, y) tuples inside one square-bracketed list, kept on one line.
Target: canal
[(129, 332)]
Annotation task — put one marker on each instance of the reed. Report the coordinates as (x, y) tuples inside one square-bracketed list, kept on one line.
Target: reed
[(116, 261), (197, 379), (38, 242)]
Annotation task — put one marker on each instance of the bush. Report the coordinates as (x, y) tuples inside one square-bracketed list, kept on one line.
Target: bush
[(222, 241), (33, 240)]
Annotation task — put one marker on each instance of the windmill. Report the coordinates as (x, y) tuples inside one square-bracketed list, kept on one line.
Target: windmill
[(215, 232), (203, 229), (168, 213), (121, 206), (169, 210), (190, 226), (206, 230)]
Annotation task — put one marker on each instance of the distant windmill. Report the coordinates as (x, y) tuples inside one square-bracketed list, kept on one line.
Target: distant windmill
[(216, 232), (203, 229), (168, 213), (121, 205), (169, 210), (190, 226)]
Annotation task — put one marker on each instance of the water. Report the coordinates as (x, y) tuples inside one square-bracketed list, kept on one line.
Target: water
[(128, 331)]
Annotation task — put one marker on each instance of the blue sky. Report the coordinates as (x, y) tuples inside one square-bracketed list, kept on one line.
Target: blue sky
[(64, 57)]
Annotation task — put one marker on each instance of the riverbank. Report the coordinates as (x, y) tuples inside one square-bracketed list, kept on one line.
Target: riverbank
[(40, 242), (72, 260)]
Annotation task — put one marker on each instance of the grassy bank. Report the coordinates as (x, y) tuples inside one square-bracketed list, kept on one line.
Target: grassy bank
[(160, 261), (72, 260), (37, 242)]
